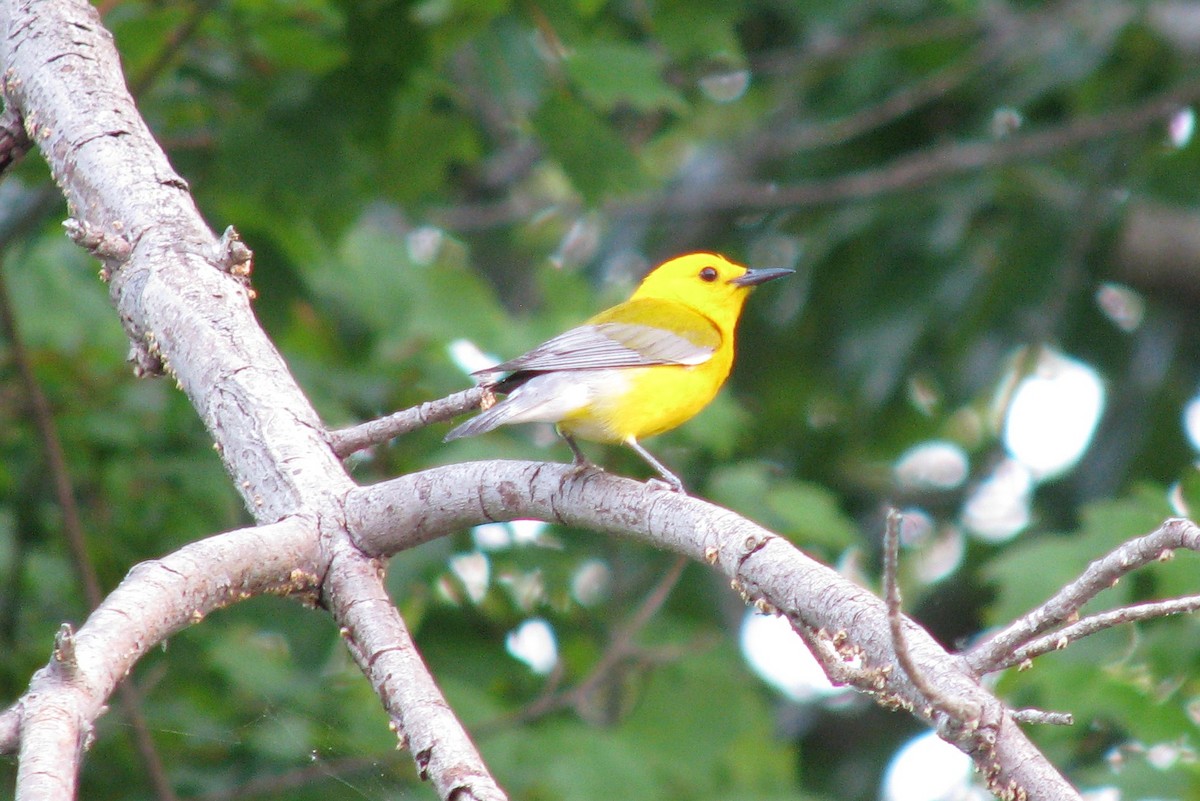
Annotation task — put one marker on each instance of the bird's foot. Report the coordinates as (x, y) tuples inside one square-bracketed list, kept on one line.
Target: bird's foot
[(666, 485), (583, 466)]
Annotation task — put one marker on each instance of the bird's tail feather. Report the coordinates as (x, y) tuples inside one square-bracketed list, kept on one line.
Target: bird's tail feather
[(546, 398), (493, 418)]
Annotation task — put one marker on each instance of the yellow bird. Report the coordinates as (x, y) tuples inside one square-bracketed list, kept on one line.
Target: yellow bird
[(635, 370)]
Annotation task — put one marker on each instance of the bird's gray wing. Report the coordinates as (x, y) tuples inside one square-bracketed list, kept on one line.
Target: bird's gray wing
[(599, 346)]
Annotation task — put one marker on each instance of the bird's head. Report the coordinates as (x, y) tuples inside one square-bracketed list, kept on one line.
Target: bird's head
[(708, 283)]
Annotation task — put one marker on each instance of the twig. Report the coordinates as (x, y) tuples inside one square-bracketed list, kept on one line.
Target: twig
[(56, 462), (171, 46), (1041, 716), (333, 769), (831, 48), (911, 172), (346, 441), (957, 710), (1172, 535), (903, 174), (621, 647), (653, 602), (1136, 613), (775, 144)]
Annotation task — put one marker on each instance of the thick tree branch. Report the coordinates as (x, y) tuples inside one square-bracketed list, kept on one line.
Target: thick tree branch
[(155, 600), (406, 511), (384, 649), (185, 312), (177, 305)]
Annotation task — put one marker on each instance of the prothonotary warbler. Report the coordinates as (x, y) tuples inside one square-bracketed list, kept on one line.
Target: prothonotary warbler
[(635, 370)]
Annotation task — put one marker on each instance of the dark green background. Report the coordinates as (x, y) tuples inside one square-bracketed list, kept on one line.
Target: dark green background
[(329, 132)]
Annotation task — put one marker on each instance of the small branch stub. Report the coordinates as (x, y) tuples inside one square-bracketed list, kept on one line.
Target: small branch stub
[(64, 649), (111, 248), (1041, 716), (146, 358), (14, 141), (236, 259)]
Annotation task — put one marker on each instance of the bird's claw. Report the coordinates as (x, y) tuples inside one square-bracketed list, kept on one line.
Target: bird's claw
[(580, 467)]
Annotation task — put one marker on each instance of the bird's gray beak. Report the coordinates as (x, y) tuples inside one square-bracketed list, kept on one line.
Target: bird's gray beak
[(756, 277)]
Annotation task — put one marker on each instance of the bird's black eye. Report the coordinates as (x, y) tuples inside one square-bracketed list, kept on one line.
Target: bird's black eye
[(708, 274)]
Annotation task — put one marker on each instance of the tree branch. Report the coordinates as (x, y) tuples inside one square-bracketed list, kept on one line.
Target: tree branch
[(384, 649), (406, 511), (175, 302), (1058, 640), (902, 174), (919, 169), (777, 144), (155, 600), (996, 651), (346, 441)]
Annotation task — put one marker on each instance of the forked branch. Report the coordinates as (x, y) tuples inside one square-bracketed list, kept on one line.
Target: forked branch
[(1016, 642)]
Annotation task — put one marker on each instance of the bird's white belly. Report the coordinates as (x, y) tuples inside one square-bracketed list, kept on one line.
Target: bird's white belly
[(554, 397)]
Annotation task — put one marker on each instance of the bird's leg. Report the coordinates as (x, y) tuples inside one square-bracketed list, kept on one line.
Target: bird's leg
[(580, 461), (672, 480)]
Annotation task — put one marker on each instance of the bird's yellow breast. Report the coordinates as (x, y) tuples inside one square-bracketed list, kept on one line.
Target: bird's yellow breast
[(645, 401)]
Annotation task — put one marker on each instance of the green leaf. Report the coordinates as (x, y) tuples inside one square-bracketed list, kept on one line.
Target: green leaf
[(61, 305), (593, 157), (705, 29), (423, 144), (683, 740), (807, 514), (610, 74)]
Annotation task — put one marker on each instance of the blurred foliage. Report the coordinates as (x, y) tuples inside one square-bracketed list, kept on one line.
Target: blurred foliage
[(414, 173)]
